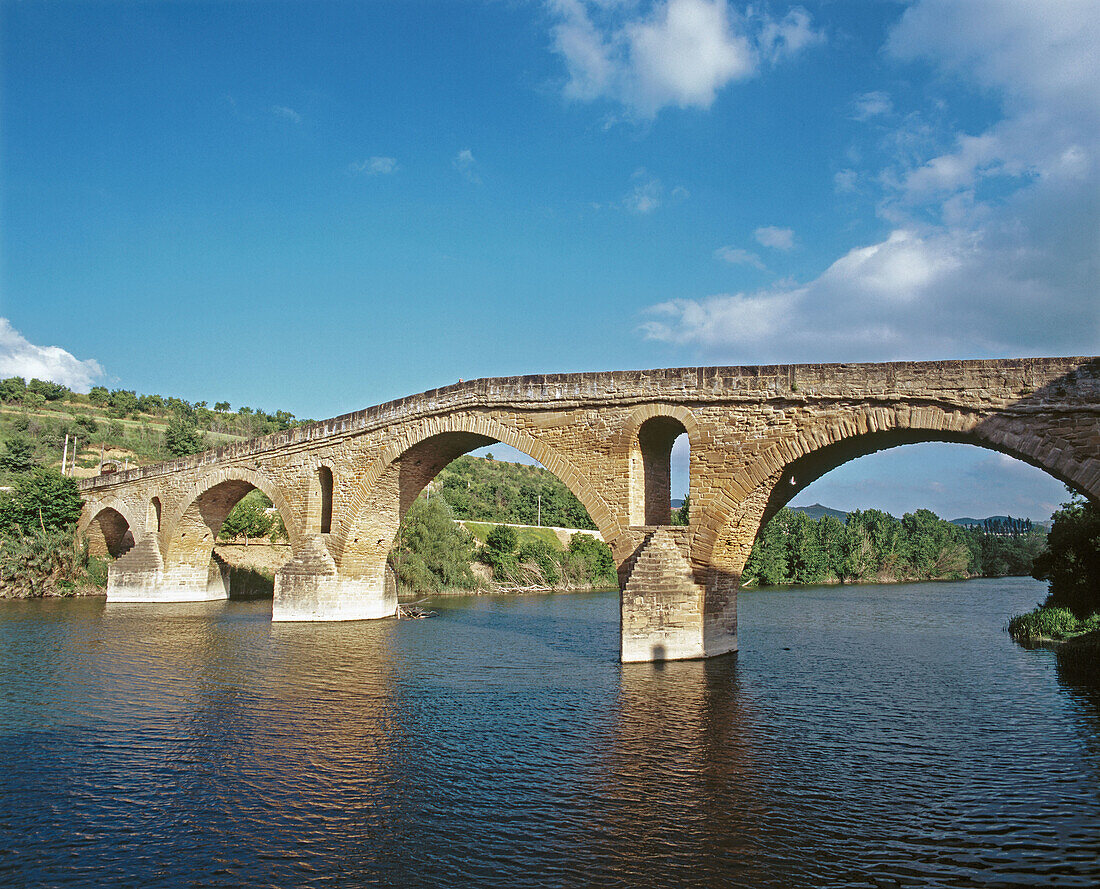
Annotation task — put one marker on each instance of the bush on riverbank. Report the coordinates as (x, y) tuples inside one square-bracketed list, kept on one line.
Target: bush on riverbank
[(1050, 623), (586, 563), (1071, 563), (48, 563), (39, 552)]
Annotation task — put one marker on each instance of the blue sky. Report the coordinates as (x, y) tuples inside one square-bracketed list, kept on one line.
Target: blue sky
[(321, 206)]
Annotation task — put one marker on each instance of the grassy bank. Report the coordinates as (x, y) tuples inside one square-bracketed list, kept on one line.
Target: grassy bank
[(1051, 624)]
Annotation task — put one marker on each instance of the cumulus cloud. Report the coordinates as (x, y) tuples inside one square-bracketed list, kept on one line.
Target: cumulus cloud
[(739, 256), (777, 238), (282, 111), (20, 358), (992, 248), (671, 53), (374, 166), (466, 165)]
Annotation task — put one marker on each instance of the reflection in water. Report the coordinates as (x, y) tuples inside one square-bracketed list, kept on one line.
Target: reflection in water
[(863, 736)]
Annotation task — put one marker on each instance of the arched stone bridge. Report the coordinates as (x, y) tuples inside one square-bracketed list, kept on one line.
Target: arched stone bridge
[(758, 436)]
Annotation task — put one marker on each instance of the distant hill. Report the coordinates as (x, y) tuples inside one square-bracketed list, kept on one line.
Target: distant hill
[(817, 511)]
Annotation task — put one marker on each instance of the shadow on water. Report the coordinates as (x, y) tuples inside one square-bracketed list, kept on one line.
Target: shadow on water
[(246, 584), (679, 764)]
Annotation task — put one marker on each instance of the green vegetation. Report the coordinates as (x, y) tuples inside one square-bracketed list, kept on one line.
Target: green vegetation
[(250, 519), (875, 546), (432, 552), (36, 417), (1071, 564), (39, 553), (1051, 623), (496, 491)]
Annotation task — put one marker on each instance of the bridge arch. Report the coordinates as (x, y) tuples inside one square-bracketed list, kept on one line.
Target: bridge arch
[(193, 514), (111, 528), (780, 471), (646, 441), (395, 479)]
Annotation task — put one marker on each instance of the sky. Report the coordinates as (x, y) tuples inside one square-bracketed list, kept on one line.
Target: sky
[(320, 206)]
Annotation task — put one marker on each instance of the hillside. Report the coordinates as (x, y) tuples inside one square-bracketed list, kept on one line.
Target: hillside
[(118, 426)]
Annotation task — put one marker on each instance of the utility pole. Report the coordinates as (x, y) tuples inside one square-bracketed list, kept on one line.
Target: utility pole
[(65, 456), (540, 509)]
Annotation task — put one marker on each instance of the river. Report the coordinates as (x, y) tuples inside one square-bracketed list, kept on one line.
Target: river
[(863, 736)]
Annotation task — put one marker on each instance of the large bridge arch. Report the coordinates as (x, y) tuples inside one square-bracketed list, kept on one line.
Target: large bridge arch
[(783, 469), (392, 483), (236, 481), (111, 527)]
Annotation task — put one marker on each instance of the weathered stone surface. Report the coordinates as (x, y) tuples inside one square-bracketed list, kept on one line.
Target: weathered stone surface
[(758, 436)]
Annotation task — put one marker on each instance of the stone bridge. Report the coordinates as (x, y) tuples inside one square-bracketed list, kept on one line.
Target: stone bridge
[(758, 435)]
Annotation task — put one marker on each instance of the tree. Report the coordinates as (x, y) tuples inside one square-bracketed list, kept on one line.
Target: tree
[(48, 390), (592, 560), (682, 516), (221, 406), (42, 499), (13, 389), (432, 552), (499, 552), (182, 438), (18, 456), (1072, 561), (249, 518), (99, 396)]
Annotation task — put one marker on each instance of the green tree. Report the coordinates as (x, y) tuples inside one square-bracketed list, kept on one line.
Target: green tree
[(499, 551), (182, 437), (432, 552), (41, 500), (12, 390), (18, 456), (99, 396), (682, 516), (49, 390), (249, 518), (1072, 561), (768, 562), (589, 560)]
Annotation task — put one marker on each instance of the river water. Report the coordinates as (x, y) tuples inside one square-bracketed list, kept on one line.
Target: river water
[(863, 736)]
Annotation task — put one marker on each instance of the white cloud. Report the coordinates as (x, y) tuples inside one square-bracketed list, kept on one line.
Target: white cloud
[(871, 104), (646, 194), (374, 166), (19, 358), (845, 181), (787, 37), (993, 247), (465, 163), (286, 113), (739, 256), (672, 53), (777, 238)]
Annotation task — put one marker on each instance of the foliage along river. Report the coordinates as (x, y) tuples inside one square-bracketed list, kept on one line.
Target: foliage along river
[(864, 736)]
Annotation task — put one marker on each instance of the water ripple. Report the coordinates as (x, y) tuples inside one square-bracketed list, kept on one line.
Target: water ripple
[(872, 736)]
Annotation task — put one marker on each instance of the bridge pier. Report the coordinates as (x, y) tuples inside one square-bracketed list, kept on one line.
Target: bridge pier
[(309, 588), (666, 615), (141, 576)]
